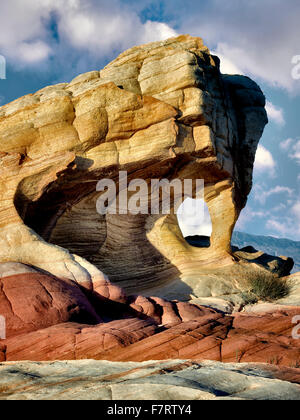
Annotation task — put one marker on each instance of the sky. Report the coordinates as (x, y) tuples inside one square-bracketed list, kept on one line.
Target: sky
[(50, 41)]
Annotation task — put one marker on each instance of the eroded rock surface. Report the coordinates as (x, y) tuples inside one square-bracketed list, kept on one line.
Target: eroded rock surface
[(161, 110), (53, 319), (168, 380), (31, 300)]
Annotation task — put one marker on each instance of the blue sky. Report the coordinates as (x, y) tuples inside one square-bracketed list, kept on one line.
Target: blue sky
[(50, 41)]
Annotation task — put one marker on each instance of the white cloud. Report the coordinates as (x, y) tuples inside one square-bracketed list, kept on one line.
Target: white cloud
[(263, 50), (293, 147), (264, 161), (104, 27), (286, 144), (278, 227), (295, 154), (282, 220), (156, 31), (261, 193), (226, 66), (98, 27), (194, 218), (258, 37), (296, 211), (288, 225), (23, 30), (285, 226), (248, 215), (33, 52), (280, 207), (275, 114)]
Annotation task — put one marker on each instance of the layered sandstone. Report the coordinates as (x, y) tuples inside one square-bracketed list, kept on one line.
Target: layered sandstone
[(168, 380), (52, 319), (161, 110)]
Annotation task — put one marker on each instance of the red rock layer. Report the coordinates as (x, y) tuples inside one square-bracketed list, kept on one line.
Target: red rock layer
[(51, 319), (32, 301)]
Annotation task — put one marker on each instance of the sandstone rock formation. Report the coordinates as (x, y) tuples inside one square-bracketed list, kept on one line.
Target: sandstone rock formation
[(75, 284), (167, 380), (52, 319), (161, 110)]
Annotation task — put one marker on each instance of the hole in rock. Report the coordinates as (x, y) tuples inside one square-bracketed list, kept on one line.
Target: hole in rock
[(64, 215), (195, 222)]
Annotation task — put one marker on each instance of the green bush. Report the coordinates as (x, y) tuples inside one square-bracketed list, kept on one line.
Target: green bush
[(266, 287)]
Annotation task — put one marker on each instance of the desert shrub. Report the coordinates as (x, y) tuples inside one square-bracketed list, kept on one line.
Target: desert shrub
[(265, 287)]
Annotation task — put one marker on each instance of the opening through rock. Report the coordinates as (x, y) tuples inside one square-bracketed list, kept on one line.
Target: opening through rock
[(195, 222)]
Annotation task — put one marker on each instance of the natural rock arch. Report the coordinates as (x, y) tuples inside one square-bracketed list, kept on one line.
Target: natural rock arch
[(176, 116)]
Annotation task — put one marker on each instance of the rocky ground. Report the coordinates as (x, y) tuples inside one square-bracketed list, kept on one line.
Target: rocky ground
[(51, 319), (137, 342), (173, 380)]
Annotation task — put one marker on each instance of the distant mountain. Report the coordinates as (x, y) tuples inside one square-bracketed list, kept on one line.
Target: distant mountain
[(267, 244), (270, 245)]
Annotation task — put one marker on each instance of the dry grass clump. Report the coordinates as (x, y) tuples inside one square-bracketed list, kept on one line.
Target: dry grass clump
[(265, 287)]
